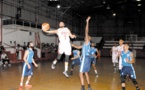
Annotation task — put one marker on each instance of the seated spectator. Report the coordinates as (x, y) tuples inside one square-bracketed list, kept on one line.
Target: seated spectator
[(1, 48), (5, 59)]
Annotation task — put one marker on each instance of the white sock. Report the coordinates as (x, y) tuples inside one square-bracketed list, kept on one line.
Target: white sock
[(27, 82), (95, 71), (66, 68), (54, 62), (21, 84)]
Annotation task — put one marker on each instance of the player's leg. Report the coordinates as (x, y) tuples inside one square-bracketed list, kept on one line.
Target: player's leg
[(123, 78), (82, 80), (124, 73), (72, 67), (67, 51), (94, 66), (27, 82), (66, 65), (29, 73), (135, 83), (88, 80), (55, 61), (133, 78), (21, 83), (23, 74)]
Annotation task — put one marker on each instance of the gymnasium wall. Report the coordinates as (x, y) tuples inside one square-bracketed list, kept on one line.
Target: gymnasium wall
[(24, 36)]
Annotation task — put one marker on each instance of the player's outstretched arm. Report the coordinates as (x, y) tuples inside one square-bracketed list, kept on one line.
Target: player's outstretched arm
[(76, 46), (87, 29), (50, 31)]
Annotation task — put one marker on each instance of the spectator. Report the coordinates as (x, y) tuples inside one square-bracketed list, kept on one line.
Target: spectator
[(24, 46), (1, 48), (17, 50), (5, 59)]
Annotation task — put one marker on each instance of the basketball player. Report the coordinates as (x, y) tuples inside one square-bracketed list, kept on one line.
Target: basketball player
[(114, 54), (76, 60), (127, 67), (93, 55), (86, 61), (28, 67), (64, 45), (120, 49)]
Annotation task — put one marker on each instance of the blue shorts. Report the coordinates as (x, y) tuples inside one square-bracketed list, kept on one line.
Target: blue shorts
[(26, 71), (85, 64), (128, 70), (77, 61), (93, 61)]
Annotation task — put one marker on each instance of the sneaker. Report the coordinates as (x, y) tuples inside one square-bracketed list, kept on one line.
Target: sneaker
[(71, 73), (89, 88), (82, 88), (21, 88), (66, 74), (97, 75), (28, 86), (137, 88), (53, 66)]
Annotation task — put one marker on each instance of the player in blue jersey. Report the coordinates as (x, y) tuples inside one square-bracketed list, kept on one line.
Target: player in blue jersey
[(93, 55), (28, 67), (127, 67), (85, 61), (76, 60)]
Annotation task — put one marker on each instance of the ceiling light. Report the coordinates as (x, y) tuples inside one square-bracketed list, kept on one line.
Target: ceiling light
[(58, 6), (114, 14), (104, 2), (139, 4), (138, 0)]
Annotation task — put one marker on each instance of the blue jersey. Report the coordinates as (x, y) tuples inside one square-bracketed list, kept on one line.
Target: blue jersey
[(75, 53), (92, 52), (86, 49), (125, 56), (30, 56)]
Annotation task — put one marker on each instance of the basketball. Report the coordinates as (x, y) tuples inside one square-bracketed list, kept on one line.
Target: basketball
[(45, 26)]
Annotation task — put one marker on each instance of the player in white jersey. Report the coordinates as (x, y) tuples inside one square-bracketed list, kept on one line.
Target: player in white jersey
[(114, 54), (64, 46), (120, 49)]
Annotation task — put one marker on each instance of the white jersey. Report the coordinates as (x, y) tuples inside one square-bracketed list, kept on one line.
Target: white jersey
[(120, 49), (114, 51), (63, 35), (64, 41)]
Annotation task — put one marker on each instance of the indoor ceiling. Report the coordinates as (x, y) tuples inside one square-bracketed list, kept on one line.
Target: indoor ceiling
[(90, 7)]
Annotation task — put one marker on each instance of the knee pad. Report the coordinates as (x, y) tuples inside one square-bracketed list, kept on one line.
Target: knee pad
[(123, 79), (59, 56), (134, 81), (66, 58)]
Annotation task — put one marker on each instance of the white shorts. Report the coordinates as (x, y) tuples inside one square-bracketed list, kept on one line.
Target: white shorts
[(114, 59), (64, 48)]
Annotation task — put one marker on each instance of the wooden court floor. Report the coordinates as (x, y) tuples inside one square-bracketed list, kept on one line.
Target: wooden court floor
[(45, 78)]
